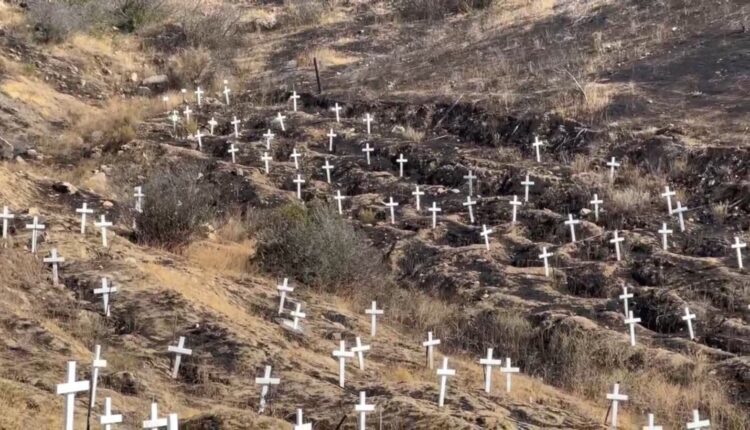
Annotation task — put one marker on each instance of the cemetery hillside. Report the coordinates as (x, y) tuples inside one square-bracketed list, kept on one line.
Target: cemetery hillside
[(374, 214)]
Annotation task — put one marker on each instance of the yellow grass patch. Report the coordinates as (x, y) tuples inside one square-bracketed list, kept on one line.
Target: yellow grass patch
[(10, 15), (43, 99), (221, 257), (121, 53), (20, 411), (327, 57), (197, 288)]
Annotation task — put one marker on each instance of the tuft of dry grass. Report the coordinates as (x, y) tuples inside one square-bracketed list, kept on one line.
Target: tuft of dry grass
[(719, 212), (628, 201), (327, 57), (410, 133)]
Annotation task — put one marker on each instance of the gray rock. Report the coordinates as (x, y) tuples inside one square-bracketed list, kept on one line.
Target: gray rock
[(64, 187), (156, 83), (6, 150), (143, 91)]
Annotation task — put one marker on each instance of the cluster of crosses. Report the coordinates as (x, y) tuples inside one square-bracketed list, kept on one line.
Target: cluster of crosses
[(71, 387)]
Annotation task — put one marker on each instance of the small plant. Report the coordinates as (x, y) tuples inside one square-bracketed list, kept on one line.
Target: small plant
[(720, 211), (367, 216), (299, 13)]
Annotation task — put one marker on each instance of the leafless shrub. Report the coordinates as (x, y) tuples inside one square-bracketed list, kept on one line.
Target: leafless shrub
[(302, 12), (176, 206), (191, 67), (209, 25)]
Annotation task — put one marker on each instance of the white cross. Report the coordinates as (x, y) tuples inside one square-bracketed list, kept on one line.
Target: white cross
[(297, 314), (54, 260), (526, 184), (401, 161), (367, 150), (107, 418), (416, 193), (470, 177), (299, 181), (679, 210), (154, 423), (630, 321), (138, 198), (269, 136), (360, 350), (509, 371), (327, 167), (444, 373), (488, 363), (339, 199), (342, 354), (266, 381), (199, 138), (469, 203), (572, 223), (296, 156), (187, 113), (545, 255), (625, 296), (96, 364), (212, 125), (183, 92), (84, 210), (330, 135), (179, 351), (668, 195), (368, 120), (105, 291), (233, 150), (374, 312), (165, 99), (103, 224), (697, 423), (337, 109), (199, 94), (69, 390), (664, 232), (267, 159), (294, 98), (537, 144), (363, 409), (596, 202), (613, 164), (392, 206), (172, 422), (283, 288), (35, 227), (300, 425), (616, 240), (689, 319), (174, 119), (486, 234), (434, 209), (515, 203), (236, 123), (6, 216), (651, 425), (280, 119), (226, 92), (430, 343), (616, 398), (738, 245)]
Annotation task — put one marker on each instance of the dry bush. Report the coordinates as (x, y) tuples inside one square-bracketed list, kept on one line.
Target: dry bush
[(414, 10), (53, 21), (719, 212), (628, 202), (210, 25), (176, 206), (299, 13), (191, 67), (113, 126), (412, 134), (316, 246)]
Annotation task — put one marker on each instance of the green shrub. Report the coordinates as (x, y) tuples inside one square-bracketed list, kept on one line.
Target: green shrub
[(318, 247), (176, 206)]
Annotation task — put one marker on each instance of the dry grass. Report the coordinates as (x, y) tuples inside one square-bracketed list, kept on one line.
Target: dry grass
[(326, 57), (719, 212), (412, 134), (628, 201), (42, 99), (221, 257)]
